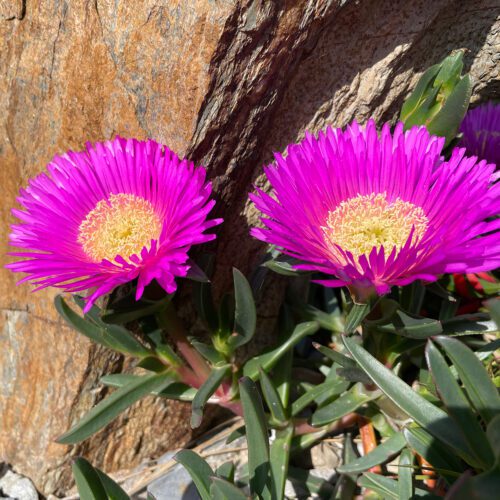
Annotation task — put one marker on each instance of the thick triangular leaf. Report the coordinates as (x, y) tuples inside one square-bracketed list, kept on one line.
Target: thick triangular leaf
[(221, 489), (329, 387), (435, 420), (415, 99), (355, 316), (113, 490), (270, 358), (347, 403), (88, 482), (108, 409), (226, 471), (257, 439), (434, 451), (458, 407), (379, 455), (481, 391), (112, 336), (140, 310), (271, 397), (412, 326), (245, 314), (405, 475), (199, 470), (205, 391), (279, 458), (335, 356), (207, 351), (389, 488)]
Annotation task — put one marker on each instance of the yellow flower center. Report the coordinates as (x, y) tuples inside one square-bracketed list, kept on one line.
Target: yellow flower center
[(366, 221), (121, 225)]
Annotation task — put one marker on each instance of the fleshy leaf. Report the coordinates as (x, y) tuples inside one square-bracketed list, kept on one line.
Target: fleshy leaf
[(383, 452), (105, 411), (257, 439), (198, 469), (245, 315), (205, 391)]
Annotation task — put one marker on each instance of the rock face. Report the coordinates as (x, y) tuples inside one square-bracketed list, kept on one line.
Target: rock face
[(224, 82)]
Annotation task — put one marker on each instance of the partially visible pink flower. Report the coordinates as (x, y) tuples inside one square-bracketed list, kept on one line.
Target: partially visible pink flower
[(376, 211), (119, 210), (481, 132)]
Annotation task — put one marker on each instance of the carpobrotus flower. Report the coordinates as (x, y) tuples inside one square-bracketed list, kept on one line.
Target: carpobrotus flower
[(117, 211), (377, 211), (481, 132)]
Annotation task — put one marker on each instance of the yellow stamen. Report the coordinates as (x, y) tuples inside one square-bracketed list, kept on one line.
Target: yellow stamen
[(366, 221), (121, 225)]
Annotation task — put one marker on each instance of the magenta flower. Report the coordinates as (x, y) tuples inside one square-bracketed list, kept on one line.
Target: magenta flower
[(481, 132), (117, 211), (377, 211)]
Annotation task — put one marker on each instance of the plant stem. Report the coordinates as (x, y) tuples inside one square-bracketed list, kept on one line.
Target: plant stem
[(171, 323), (368, 440)]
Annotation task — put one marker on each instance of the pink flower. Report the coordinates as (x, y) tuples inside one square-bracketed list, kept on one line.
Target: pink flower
[(376, 211), (119, 210), (481, 132)]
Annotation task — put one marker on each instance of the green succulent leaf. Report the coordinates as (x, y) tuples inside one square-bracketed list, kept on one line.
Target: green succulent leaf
[(389, 488), (269, 359), (417, 97), (329, 387), (207, 351), (435, 420), (88, 482), (245, 314), (355, 316), (383, 452), (440, 99), (112, 336), (458, 406), (221, 489), (493, 433), (312, 484), (446, 122), (226, 471), (279, 457), (272, 398), (405, 475), (284, 265), (108, 409), (435, 452), (412, 326), (175, 390), (282, 377), (139, 310), (493, 306), (203, 301), (480, 389), (113, 490), (210, 385), (336, 356), (257, 439), (347, 403), (199, 470)]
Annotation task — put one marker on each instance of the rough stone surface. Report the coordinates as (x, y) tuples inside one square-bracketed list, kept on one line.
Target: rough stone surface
[(226, 82), (14, 486)]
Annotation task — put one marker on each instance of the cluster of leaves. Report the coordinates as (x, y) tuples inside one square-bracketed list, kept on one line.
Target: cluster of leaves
[(422, 373)]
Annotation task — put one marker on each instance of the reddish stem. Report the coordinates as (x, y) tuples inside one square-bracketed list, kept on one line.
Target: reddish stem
[(427, 470), (369, 440), (175, 329)]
